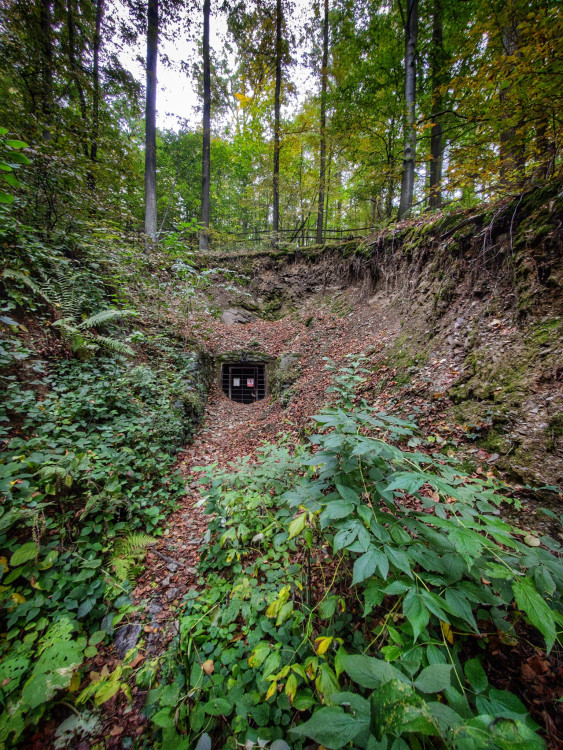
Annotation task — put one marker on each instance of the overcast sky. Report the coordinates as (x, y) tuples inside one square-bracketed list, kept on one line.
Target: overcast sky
[(177, 96)]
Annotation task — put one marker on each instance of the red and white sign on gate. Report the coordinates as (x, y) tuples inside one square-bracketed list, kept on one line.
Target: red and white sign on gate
[(250, 382)]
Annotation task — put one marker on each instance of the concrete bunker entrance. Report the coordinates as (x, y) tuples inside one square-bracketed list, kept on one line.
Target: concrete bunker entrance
[(244, 381)]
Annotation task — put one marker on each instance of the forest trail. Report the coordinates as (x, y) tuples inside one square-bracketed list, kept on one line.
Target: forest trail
[(331, 325), (229, 431)]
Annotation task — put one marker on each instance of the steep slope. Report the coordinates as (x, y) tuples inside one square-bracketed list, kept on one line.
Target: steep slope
[(472, 303)]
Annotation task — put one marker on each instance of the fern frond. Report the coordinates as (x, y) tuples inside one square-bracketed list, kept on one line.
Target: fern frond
[(11, 273), (113, 345), (121, 568), (67, 325), (134, 543), (104, 316), (129, 551)]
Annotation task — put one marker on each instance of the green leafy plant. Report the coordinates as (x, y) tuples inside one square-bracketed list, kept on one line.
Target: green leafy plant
[(350, 593), (84, 337), (85, 476), (128, 552), (59, 291), (10, 161)]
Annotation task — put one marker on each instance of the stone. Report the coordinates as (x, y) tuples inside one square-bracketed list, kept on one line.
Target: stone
[(126, 638), (236, 316)]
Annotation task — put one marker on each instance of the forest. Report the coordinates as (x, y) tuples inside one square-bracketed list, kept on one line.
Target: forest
[(281, 425)]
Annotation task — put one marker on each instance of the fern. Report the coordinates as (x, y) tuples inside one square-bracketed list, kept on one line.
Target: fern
[(59, 291), (104, 316), (65, 324), (128, 552), (14, 275), (114, 345), (121, 568), (134, 543)]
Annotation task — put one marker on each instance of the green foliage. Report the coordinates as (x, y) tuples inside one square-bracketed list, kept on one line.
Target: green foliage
[(128, 552), (83, 335), (348, 589), (10, 160), (85, 472)]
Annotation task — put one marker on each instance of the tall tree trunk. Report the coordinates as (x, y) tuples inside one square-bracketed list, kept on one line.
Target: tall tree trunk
[(436, 74), (277, 109), (512, 157), (76, 74), (327, 189), (150, 124), (96, 83), (206, 149), (409, 150), (322, 154), (545, 150), (46, 67)]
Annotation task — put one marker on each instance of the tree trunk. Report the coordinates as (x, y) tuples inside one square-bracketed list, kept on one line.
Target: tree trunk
[(409, 151), (96, 82), (46, 67), (206, 150), (327, 188), (436, 74), (76, 74), (277, 108), (545, 151), (322, 154), (512, 157), (150, 124)]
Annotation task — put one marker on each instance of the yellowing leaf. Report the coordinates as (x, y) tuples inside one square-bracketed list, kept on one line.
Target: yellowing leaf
[(284, 613), (18, 598), (291, 687), (74, 683), (447, 631), (271, 690), (322, 644)]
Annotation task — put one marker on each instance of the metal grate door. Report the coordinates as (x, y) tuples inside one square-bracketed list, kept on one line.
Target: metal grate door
[(243, 382)]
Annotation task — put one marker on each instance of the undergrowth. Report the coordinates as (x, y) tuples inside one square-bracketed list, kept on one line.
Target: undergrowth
[(352, 589), (87, 454)]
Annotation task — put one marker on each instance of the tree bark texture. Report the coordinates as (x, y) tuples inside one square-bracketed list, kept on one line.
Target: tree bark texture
[(322, 150), (436, 132), (150, 124), (45, 21), (277, 110), (512, 157), (206, 148), (76, 70), (96, 80), (409, 150)]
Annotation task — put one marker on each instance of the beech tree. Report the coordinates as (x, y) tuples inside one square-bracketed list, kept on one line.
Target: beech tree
[(436, 79), (485, 116), (277, 120), (206, 146), (410, 21), (322, 146), (150, 123)]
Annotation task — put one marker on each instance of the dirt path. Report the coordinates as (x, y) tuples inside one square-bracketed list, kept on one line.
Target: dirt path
[(229, 431)]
